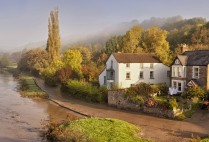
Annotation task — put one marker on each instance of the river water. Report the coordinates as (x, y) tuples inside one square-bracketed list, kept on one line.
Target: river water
[(22, 119)]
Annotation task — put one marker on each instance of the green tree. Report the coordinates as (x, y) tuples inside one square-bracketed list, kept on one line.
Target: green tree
[(113, 45), (132, 40), (154, 41), (53, 42)]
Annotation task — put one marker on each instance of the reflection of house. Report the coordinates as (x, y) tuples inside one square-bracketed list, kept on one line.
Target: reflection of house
[(126, 69), (190, 69)]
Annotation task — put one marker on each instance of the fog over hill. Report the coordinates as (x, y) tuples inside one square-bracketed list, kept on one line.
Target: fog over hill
[(100, 36)]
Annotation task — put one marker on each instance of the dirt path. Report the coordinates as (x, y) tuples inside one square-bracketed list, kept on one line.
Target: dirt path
[(154, 128)]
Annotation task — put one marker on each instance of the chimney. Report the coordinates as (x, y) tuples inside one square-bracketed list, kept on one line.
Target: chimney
[(184, 48)]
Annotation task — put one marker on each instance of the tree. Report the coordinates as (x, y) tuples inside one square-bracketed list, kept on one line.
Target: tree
[(35, 60), (90, 73), (53, 42), (154, 41), (132, 40), (85, 52), (5, 60), (114, 44), (72, 58)]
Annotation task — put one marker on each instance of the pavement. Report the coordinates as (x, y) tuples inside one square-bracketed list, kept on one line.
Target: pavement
[(154, 128)]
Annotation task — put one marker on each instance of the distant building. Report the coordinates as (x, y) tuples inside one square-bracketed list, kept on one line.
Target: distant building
[(190, 69), (126, 69)]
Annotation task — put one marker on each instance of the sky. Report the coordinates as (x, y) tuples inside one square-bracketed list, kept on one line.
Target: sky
[(26, 21)]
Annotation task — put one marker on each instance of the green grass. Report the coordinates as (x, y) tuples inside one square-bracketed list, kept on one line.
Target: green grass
[(29, 88), (205, 140), (187, 114), (160, 98), (96, 130)]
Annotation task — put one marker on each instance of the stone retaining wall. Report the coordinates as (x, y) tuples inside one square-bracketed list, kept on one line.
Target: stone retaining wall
[(117, 99)]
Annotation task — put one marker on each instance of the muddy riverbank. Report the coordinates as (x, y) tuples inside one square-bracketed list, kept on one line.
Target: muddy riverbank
[(22, 119)]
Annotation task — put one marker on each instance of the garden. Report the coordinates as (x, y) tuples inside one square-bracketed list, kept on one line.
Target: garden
[(156, 96)]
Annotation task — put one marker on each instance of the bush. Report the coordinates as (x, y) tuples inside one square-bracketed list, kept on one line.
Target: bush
[(86, 91), (194, 92), (163, 88), (172, 104), (131, 92), (144, 89), (63, 75), (137, 100), (150, 102)]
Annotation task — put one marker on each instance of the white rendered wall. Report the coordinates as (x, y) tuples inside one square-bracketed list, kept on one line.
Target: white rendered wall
[(160, 74), (101, 77)]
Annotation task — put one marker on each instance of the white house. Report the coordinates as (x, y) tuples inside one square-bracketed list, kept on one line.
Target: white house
[(126, 69)]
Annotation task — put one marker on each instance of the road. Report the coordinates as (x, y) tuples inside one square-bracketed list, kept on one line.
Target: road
[(154, 128)]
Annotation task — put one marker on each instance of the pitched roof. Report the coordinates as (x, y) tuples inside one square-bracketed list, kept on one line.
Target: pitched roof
[(197, 58), (136, 58), (183, 59)]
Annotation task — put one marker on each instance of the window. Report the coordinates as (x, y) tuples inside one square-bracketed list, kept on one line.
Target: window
[(151, 65), (175, 84), (168, 73), (111, 63), (128, 65), (179, 71), (151, 74), (141, 65), (128, 75), (141, 75), (105, 80), (195, 72), (179, 86)]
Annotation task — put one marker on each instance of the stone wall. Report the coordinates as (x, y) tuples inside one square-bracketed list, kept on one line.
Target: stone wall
[(202, 80), (117, 99)]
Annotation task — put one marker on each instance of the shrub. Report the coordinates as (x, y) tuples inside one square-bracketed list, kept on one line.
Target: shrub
[(195, 92), (137, 100), (150, 102), (163, 88), (144, 89), (131, 92), (172, 104), (85, 91)]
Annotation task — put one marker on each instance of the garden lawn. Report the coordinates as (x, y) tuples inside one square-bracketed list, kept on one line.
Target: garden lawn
[(97, 130), (29, 88)]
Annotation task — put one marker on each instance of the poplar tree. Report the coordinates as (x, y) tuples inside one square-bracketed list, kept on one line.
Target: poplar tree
[(53, 42)]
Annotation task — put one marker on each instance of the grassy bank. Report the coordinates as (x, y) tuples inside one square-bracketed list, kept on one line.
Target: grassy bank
[(28, 88), (94, 130)]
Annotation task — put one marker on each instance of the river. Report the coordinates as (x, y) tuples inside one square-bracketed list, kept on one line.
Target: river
[(22, 119)]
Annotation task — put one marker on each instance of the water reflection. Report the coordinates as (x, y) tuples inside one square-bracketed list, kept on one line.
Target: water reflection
[(20, 118)]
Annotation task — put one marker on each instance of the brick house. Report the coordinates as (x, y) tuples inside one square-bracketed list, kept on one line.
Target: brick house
[(127, 69), (190, 69)]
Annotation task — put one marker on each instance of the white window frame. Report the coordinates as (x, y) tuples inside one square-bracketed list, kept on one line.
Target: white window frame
[(193, 72), (129, 75)]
